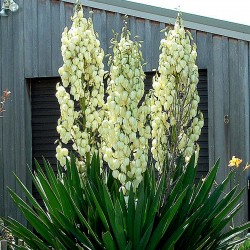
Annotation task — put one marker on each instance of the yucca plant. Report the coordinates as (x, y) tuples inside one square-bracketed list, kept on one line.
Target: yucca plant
[(91, 214), (95, 214)]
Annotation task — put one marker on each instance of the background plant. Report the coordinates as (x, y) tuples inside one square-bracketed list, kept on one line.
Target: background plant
[(4, 98), (245, 245)]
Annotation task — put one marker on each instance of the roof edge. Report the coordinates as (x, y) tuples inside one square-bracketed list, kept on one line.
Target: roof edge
[(206, 24)]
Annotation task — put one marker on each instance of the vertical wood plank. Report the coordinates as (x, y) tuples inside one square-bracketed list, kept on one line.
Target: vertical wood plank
[(210, 68), (202, 53), (28, 133), (48, 38), (148, 45), (42, 37), (162, 30), (243, 125), (244, 93), (68, 14), (35, 52), (19, 89), (219, 127), (56, 59), (234, 95), (100, 25), (87, 10), (132, 26), (155, 43), (110, 17), (8, 138), (226, 94), (62, 27), (118, 23), (3, 245), (62, 16), (194, 35), (140, 31), (104, 39), (28, 38)]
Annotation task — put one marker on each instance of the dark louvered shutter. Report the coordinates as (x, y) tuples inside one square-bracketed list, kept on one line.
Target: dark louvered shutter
[(45, 113), (203, 163)]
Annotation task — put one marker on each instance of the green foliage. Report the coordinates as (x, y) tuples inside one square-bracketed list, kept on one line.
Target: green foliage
[(208, 213), (244, 243), (95, 214)]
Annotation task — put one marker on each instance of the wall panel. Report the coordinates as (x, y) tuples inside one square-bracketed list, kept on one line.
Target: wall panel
[(210, 68), (42, 42), (243, 124), (7, 135), (32, 20), (219, 126), (155, 44), (202, 49), (56, 31), (19, 98), (28, 38)]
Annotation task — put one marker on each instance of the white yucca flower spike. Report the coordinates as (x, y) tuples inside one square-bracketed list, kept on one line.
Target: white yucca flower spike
[(176, 122), (124, 130), (81, 93)]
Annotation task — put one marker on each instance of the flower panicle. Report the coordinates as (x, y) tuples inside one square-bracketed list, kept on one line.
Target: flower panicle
[(81, 91), (175, 99), (124, 131)]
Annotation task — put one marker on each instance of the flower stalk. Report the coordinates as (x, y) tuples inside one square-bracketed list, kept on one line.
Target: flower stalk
[(174, 102), (81, 92), (124, 130)]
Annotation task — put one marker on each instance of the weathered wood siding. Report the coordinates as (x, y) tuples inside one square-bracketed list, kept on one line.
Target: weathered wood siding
[(30, 47)]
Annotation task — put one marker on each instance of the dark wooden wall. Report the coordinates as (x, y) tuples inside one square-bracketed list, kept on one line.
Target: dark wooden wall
[(30, 47)]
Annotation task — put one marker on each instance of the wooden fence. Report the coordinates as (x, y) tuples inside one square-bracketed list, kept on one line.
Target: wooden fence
[(4, 244)]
